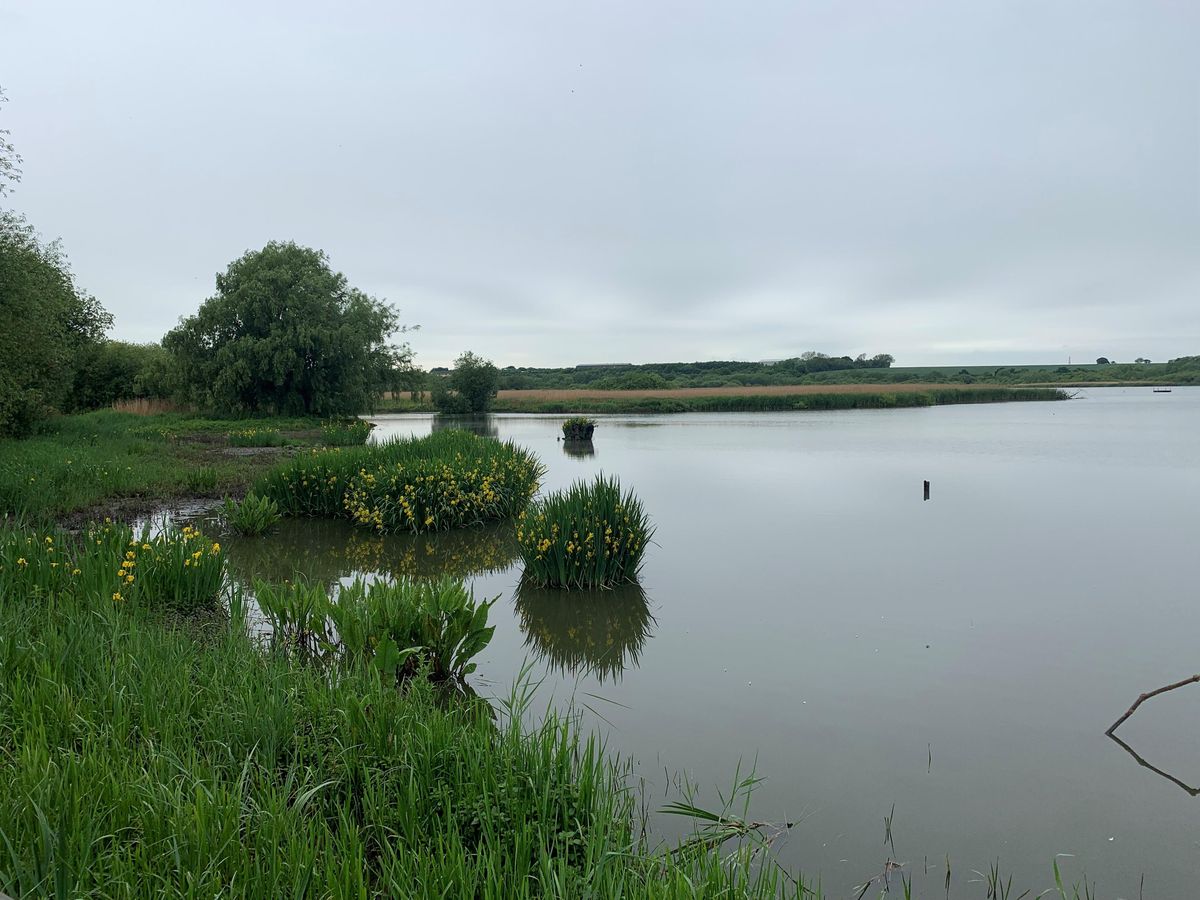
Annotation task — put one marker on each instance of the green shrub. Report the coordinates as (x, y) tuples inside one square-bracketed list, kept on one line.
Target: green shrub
[(253, 516), (447, 480), (350, 433), (256, 437), (590, 535)]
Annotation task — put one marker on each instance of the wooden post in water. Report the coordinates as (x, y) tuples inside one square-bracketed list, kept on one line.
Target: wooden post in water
[(926, 490)]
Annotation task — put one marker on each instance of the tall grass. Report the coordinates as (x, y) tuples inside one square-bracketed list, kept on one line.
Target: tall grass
[(178, 569), (149, 759), (447, 480), (252, 516), (351, 433), (588, 536)]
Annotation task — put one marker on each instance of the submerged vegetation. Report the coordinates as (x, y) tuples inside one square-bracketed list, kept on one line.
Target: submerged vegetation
[(588, 536), (447, 480)]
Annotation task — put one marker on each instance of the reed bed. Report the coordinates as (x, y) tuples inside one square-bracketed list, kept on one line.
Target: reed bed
[(589, 536), (450, 479)]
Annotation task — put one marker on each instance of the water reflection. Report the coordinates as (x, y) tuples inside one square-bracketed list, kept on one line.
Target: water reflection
[(579, 449), (328, 551), (598, 632), (1155, 769), (482, 425)]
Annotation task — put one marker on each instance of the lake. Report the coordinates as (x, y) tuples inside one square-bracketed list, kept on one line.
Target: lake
[(950, 664)]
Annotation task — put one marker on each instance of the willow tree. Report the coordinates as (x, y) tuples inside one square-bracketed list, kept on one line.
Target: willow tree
[(285, 334)]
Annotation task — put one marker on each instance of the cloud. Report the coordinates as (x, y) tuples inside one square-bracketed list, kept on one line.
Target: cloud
[(549, 183)]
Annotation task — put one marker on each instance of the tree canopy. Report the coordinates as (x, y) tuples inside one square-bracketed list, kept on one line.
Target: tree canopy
[(470, 387), (48, 323), (286, 334)]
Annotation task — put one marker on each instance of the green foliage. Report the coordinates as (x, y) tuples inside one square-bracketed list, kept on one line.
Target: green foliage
[(286, 334), (48, 322), (153, 761), (348, 433), (588, 536), (256, 437), (201, 480), (253, 516), (108, 371), (469, 388), (447, 480), (10, 159), (179, 569), (396, 628)]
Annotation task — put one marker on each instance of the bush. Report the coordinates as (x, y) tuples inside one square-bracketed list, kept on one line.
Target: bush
[(447, 480), (470, 387), (253, 516), (589, 535), (285, 334)]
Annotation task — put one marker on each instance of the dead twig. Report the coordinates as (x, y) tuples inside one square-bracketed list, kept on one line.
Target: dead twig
[(1144, 697)]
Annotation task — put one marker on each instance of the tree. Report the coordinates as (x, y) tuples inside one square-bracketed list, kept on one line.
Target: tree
[(1142, 361), (285, 334), (47, 324), (10, 160), (470, 387), (115, 370), (1102, 361)]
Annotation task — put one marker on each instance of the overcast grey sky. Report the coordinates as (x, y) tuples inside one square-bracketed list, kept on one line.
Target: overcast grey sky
[(558, 182)]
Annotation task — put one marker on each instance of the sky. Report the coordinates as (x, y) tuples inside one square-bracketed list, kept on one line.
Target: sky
[(552, 183)]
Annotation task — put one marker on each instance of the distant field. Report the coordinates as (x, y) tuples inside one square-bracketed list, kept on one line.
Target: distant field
[(772, 390)]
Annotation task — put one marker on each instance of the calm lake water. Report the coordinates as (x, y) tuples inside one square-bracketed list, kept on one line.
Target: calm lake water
[(805, 612)]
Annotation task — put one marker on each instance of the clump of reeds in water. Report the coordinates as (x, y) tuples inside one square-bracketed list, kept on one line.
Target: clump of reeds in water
[(447, 480), (251, 516), (396, 628), (590, 535)]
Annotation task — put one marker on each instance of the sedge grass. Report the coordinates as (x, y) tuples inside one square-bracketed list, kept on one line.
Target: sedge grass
[(256, 437), (589, 536), (351, 433), (252, 516)]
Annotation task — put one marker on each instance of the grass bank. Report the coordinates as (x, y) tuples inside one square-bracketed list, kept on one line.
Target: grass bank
[(124, 465), (147, 755)]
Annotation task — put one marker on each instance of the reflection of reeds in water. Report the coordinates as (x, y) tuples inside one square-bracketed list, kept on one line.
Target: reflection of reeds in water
[(482, 425), (579, 449), (327, 551), (600, 632)]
